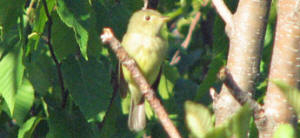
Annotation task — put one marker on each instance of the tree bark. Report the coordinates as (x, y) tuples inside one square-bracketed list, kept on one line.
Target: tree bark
[(246, 32), (285, 65)]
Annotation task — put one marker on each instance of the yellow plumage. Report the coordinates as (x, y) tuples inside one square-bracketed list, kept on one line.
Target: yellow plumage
[(143, 43)]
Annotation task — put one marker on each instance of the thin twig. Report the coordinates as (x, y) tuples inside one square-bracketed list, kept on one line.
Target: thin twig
[(186, 42), (30, 7), (64, 92), (224, 12), (145, 88), (146, 2)]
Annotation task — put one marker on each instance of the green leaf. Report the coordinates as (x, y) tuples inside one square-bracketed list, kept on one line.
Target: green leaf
[(184, 90), (237, 126), (28, 127), (292, 94), (211, 76), (63, 40), (9, 12), (24, 101), (198, 118), (218, 132), (89, 85), (41, 70), (11, 72), (39, 24), (239, 123), (285, 131), (168, 78), (220, 47), (76, 14), (41, 17), (63, 124)]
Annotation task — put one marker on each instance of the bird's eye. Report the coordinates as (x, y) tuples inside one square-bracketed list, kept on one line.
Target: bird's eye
[(147, 18)]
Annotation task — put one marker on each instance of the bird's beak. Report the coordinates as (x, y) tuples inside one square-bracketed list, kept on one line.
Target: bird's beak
[(165, 19)]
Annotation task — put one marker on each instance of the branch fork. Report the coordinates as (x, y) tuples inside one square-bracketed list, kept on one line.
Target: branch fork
[(225, 14)]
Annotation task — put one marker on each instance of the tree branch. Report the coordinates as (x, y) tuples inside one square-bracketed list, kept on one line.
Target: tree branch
[(186, 42), (145, 88), (224, 12), (285, 58), (246, 31), (64, 92), (241, 96)]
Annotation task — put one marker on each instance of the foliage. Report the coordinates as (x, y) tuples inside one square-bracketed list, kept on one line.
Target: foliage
[(30, 80)]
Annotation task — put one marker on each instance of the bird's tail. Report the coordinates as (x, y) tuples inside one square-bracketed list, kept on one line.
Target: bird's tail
[(137, 117)]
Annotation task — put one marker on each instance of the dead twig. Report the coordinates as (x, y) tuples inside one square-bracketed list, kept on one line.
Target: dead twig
[(176, 58), (109, 38)]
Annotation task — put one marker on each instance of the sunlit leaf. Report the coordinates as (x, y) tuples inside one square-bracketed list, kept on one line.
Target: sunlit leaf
[(39, 24), (11, 72), (28, 127), (168, 78), (198, 118), (24, 101), (218, 132), (292, 94), (239, 123), (284, 131)]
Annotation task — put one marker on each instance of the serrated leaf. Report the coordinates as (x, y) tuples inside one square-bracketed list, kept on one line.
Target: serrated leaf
[(198, 118), (11, 72), (24, 101), (292, 94), (89, 85), (76, 14), (28, 127), (63, 124), (285, 131), (63, 40)]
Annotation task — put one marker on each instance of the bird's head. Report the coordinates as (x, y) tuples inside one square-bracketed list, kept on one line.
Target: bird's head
[(148, 22)]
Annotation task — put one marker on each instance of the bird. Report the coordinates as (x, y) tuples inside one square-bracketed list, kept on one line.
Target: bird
[(144, 43)]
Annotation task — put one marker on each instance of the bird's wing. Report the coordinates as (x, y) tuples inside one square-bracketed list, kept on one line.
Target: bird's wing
[(123, 86)]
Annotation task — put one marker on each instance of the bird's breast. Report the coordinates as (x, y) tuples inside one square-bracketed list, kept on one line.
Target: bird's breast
[(148, 52)]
